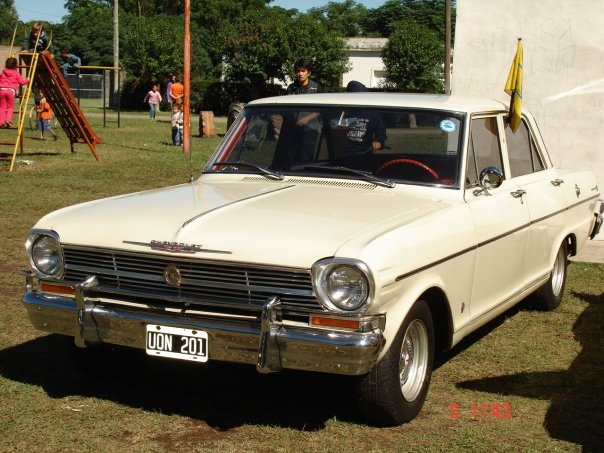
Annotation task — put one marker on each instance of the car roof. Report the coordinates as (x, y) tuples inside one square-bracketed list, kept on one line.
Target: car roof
[(456, 103)]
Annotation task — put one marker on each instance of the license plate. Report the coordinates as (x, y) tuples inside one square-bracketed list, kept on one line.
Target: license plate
[(177, 343)]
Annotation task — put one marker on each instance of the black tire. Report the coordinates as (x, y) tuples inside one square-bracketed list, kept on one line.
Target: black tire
[(549, 295), (382, 395)]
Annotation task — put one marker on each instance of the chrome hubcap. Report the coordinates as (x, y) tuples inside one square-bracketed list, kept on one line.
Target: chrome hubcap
[(413, 361), (558, 272)]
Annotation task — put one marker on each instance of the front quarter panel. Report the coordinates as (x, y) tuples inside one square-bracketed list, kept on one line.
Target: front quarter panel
[(434, 252)]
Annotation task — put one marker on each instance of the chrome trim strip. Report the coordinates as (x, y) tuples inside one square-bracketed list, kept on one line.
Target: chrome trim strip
[(489, 241), (435, 263), (574, 205)]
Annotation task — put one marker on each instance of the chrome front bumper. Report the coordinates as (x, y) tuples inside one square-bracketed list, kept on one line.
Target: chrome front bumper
[(269, 345)]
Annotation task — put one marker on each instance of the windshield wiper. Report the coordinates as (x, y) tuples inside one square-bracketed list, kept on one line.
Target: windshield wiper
[(261, 170), (368, 176)]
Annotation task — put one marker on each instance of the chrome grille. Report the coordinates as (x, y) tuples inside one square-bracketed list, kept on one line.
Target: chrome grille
[(203, 282)]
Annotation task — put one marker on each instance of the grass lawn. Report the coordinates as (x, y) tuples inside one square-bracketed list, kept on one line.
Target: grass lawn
[(528, 381)]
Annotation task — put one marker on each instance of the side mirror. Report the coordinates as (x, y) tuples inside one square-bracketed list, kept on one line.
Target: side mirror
[(491, 178)]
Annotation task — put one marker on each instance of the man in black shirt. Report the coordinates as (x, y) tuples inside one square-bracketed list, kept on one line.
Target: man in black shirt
[(304, 84), (308, 126)]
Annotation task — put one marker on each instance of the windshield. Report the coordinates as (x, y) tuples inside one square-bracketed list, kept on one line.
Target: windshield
[(388, 145)]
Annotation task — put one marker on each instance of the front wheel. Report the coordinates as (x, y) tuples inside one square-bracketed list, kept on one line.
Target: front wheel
[(549, 295), (395, 390)]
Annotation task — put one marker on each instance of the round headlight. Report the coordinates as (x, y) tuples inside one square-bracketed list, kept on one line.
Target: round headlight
[(46, 256), (343, 285)]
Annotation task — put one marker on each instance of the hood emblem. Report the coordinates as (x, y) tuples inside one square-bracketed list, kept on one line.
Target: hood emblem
[(175, 247), (172, 275)]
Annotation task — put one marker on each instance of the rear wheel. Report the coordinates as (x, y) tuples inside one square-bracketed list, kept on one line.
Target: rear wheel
[(549, 295), (395, 390)]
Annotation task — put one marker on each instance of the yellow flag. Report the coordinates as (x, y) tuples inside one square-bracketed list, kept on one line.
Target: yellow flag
[(513, 87)]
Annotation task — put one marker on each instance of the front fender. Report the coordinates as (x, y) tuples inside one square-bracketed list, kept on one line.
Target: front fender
[(451, 278)]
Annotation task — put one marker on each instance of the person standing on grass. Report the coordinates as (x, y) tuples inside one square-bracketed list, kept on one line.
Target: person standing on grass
[(154, 99), (177, 91), (44, 117), (10, 80), (177, 121), (168, 88)]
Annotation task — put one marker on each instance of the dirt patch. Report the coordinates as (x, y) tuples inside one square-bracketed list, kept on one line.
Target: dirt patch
[(190, 435)]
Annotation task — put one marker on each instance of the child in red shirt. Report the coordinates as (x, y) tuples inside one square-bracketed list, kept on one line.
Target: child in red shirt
[(10, 80)]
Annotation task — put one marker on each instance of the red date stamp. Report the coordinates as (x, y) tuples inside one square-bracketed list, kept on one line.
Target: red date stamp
[(480, 411)]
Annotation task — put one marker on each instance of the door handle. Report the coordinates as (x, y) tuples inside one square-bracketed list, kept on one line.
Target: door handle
[(518, 193)]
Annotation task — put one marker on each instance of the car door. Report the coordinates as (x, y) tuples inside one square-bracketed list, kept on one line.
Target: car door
[(501, 220), (544, 195)]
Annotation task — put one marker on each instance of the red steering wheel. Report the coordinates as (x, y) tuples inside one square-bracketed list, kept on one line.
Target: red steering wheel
[(409, 162)]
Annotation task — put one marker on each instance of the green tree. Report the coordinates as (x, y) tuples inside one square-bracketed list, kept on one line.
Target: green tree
[(429, 13), (209, 17), (310, 39), (152, 46), (8, 20), (345, 19), (413, 58), (215, 11), (262, 46), (254, 47), (71, 5), (153, 49), (380, 22), (383, 21), (87, 31)]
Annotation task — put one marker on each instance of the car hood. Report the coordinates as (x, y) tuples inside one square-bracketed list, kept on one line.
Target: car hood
[(276, 223)]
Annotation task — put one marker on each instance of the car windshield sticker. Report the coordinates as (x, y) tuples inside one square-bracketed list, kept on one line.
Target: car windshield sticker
[(447, 126)]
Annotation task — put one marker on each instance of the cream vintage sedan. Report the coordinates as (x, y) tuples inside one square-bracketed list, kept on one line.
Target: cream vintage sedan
[(354, 234)]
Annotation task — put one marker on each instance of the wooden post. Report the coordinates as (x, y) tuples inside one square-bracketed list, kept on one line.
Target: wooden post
[(186, 139)]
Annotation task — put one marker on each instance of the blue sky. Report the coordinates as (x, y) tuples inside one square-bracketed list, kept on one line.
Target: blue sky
[(47, 10), (53, 10)]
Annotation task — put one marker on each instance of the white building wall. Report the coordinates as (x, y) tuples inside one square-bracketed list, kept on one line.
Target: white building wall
[(563, 68), (365, 59), (367, 68)]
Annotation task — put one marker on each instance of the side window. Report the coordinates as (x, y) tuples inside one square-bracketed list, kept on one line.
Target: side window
[(483, 149), (522, 151)]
